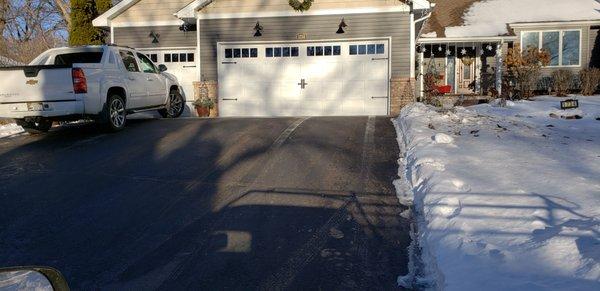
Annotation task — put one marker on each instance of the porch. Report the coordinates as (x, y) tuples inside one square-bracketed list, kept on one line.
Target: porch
[(469, 68)]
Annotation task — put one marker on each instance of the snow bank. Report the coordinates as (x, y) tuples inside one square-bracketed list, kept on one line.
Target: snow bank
[(9, 129), (510, 202), (489, 18)]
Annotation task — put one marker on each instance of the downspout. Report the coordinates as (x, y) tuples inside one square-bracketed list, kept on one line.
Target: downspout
[(199, 57)]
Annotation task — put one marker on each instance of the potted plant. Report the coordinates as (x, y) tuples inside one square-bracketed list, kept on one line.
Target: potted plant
[(203, 106)]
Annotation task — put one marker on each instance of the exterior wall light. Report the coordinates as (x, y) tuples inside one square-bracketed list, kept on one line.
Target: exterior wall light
[(258, 28), (341, 27)]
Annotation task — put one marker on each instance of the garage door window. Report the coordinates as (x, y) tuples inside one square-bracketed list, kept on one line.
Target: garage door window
[(177, 57), (327, 50), (277, 52), (370, 49), (241, 53)]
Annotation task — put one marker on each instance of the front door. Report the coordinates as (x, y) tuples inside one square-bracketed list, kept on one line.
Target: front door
[(466, 75)]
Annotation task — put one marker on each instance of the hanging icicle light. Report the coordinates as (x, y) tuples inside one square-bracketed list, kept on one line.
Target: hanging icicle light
[(489, 47), (463, 51)]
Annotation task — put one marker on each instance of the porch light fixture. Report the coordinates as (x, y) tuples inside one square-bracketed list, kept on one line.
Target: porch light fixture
[(341, 27), (258, 28)]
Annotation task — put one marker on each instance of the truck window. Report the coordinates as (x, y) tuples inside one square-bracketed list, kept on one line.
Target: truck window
[(129, 61), (147, 65), (78, 58)]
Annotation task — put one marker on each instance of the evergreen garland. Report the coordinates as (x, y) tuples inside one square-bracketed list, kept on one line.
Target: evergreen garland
[(301, 5)]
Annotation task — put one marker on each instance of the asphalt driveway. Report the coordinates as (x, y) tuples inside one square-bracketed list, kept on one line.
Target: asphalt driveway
[(286, 203)]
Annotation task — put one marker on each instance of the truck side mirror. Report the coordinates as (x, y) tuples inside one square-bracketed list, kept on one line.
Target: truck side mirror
[(162, 68)]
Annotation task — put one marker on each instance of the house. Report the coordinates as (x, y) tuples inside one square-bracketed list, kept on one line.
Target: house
[(465, 41), (263, 58), (7, 62)]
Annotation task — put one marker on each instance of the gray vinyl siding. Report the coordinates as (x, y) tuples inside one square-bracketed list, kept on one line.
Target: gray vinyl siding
[(394, 25), (170, 36), (585, 45)]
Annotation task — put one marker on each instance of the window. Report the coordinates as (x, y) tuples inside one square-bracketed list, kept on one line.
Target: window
[(167, 58), (570, 48), (245, 53), (550, 42), (362, 49), (228, 53), (337, 50), (531, 39), (147, 66), (237, 53), (367, 49), (183, 57), (253, 52), (83, 57), (319, 51), (153, 57), (563, 45), (310, 51), (353, 50), (175, 58), (281, 52), (190, 57), (129, 61), (328, 51)]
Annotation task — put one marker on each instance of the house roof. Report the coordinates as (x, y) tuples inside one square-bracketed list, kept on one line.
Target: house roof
[(487, 18)]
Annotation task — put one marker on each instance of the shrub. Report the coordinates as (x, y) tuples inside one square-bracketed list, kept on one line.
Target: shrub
[(590, 80), (525, 68), (562, 80)]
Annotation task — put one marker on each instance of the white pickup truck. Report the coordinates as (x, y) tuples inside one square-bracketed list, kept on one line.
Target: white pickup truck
[(104, 83)]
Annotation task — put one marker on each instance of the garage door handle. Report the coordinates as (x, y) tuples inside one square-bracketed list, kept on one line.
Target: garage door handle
[(229, 63), (189, 66), (229, 99), (378, 59), (379, 97)]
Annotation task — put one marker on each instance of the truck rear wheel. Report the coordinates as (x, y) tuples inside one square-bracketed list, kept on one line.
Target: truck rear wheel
[(37, 126), (114, 115), (175, 105)]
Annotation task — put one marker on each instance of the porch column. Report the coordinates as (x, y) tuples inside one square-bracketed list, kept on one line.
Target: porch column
[(499, 65), (477, 69), (421, 81)]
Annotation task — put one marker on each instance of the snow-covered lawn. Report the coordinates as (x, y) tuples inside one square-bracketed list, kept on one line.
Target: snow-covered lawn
[(504, 198), (9, 129)]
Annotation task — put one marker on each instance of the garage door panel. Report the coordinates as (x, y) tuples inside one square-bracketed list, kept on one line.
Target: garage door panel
[(354, 90), (375, 70)]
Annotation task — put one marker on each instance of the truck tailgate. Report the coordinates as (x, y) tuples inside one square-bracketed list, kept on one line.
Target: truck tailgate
[(36, 84)]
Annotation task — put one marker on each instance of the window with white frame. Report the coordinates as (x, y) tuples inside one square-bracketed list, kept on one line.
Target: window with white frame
[(564, 46)]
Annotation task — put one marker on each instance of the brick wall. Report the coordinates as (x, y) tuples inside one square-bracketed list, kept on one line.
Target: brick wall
[(402, 93), (213, 94)]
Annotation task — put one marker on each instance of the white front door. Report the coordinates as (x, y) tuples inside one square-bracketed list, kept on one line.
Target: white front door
[(304, 79), (180, 63)]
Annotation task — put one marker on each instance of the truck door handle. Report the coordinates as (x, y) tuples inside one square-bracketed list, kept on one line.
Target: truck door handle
[(131, 78), (150, 79)]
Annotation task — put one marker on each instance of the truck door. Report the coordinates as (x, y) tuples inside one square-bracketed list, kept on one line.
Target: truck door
[(136, 82), (156, 84)]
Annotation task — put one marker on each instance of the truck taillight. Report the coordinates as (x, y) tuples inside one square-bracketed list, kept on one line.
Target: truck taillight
[(79, 81)]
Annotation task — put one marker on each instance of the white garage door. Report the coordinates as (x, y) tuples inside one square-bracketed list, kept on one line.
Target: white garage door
[(304, 79), (182, 64)]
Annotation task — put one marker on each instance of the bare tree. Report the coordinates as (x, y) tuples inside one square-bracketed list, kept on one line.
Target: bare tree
[(31, 26)]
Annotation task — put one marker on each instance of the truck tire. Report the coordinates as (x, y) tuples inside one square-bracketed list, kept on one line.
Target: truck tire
[(114, 114), (175, 105), (37, 126)]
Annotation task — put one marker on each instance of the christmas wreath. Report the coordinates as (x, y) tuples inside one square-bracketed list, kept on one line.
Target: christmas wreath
[(301, 5)]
